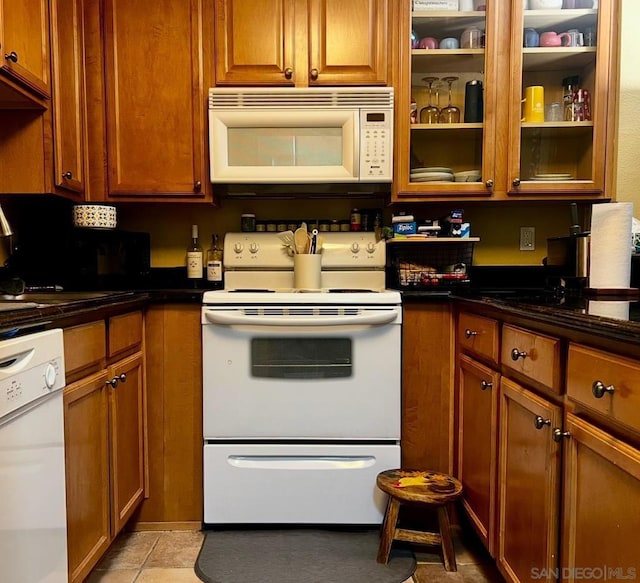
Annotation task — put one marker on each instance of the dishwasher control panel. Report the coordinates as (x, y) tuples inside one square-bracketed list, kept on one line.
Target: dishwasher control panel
[(31, 367)]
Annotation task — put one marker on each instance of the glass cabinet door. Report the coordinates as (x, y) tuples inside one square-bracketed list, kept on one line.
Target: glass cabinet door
[(560, 55), (448, 112)]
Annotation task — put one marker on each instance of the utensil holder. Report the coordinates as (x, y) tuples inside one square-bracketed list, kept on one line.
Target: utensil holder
[(307, 269)]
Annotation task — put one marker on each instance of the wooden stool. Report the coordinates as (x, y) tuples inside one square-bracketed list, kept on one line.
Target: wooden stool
[(430, 488)]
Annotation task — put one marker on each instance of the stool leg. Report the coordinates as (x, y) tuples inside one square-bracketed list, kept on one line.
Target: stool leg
[(388, 530), (448, 552)]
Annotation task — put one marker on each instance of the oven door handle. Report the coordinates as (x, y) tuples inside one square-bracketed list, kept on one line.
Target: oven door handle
[(237, 319), (301, 462)]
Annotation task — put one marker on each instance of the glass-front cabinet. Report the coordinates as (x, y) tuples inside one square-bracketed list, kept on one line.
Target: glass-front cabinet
[(504, 100)]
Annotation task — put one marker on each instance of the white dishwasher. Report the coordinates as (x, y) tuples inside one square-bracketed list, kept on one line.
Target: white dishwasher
[(33, 525)]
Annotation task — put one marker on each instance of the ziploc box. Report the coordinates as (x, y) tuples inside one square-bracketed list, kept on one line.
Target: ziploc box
[(403, 229), (419, 5)]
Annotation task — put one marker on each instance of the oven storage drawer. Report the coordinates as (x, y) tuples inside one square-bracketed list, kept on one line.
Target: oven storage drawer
[(295, 484)]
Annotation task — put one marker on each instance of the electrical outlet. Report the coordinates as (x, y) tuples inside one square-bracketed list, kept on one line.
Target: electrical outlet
[(527, 238)]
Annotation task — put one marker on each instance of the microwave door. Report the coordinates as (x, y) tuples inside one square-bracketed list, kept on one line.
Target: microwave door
[(264, 146)]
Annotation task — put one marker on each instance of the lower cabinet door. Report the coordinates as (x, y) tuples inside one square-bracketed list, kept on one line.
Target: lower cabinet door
[(477, 445), (86, 429), (601, 510), (529, 478), (127, 432)]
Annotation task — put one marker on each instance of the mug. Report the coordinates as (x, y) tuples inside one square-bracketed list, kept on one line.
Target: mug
[(428, 42), (533, 104), (465, 5), (550, 39), (531, 38), (472, 38), (574, 38), (449, 43), (590, 36)]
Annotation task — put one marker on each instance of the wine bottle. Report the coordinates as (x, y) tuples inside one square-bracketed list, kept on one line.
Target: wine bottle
[(194, 258), (214, 264)]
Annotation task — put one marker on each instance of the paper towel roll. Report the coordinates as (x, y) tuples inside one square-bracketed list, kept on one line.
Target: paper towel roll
[(609, 309), (610, 255)]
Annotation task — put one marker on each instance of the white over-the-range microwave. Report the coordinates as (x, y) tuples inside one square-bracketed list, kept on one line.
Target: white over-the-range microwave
[(301, 135)]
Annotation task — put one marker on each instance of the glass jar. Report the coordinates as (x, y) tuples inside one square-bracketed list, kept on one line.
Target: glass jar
[(248, 223)]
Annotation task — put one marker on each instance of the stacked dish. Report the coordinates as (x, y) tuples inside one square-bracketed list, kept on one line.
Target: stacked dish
[(468, 176), (432, 174), (552, 177)]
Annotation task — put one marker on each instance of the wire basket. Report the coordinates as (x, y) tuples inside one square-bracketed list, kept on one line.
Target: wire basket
[(431, 264)]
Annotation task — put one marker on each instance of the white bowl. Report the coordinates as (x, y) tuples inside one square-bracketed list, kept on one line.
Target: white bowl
[(468, 176), (96, 216), (545, 4)]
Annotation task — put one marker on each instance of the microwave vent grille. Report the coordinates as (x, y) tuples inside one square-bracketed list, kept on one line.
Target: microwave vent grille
[(312, 98)]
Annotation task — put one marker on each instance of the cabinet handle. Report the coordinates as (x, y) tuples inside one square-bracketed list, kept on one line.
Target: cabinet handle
[(12, 56), (470, 333), (516, 354), (489, 183), (112, 383), (540, 422), (197, 186), (484, 385), (288, 73), (516, 182), (67, 175), (558, 434), (122, 378), (598, 388), (313, 74)]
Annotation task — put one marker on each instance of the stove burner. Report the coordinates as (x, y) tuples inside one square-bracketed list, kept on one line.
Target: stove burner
[(348, 290)]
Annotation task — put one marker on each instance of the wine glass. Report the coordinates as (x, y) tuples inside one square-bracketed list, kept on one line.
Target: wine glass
[(430, 113), (450, 114)]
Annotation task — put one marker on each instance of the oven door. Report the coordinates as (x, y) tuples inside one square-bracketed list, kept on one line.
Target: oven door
[(300, 376)]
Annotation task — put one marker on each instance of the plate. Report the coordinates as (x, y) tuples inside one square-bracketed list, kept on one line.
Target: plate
[(432, 177), (552, 177), (431, 169)]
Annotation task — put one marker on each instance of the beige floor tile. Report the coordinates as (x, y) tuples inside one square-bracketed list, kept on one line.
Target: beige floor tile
[(175, 549), (468, 548), (129, 551), (168, 576), (432, 573), (118, 576)]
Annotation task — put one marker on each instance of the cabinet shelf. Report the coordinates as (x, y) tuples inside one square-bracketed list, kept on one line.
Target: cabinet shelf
[(446, 126), (548, 19), (550, 59), (447, 60), (558, 124)]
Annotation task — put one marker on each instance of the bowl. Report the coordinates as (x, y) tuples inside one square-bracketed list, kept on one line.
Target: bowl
[(95, 216), (468, 176), (545, 4)]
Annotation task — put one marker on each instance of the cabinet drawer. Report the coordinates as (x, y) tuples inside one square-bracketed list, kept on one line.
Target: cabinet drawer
[(533, 355), (606, 383), (479, 335), (84, 349), (125, 333)]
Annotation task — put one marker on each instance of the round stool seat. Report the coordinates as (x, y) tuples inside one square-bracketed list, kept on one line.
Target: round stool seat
[(419, 486)]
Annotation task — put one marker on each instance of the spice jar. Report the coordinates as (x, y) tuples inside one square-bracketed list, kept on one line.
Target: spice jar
[(356, 220), (248, 223)]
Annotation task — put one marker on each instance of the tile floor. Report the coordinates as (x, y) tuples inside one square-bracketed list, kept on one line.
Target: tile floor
[(169, 556)]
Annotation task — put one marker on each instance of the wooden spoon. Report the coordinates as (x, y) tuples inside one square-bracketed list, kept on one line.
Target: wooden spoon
[(301, 240)]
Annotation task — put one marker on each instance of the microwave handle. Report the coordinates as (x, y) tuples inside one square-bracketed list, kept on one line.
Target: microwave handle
[(238, 319)]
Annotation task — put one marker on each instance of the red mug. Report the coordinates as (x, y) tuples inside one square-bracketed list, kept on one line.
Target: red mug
[(428, 42)]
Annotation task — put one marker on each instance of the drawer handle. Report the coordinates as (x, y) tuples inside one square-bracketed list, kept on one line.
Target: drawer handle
[(516, 354), (540, 422), (484, 385), (288, 73), (12, 56), (117, 379), (470, 333), (599, 389), (558, 435)]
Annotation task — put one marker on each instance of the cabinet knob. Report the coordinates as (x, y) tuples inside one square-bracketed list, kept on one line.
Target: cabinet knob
[(122, 378), (288, 73), (470, 333), (197, 186), (598, 388), (12, 56), (67, 175), (313, 74), (516, 354), (558, 435), (112, 383), (484, 385), (489, 183), (516, 182), (540, 422)]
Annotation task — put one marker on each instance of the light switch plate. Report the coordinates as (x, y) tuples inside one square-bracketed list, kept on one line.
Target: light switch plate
[(527, 238)]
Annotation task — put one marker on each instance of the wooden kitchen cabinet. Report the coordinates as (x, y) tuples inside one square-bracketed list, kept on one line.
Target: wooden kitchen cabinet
[(67, 48), (529, 483), (24, 42), (104, 434), (156, 74), (513, 158), (301, 42)]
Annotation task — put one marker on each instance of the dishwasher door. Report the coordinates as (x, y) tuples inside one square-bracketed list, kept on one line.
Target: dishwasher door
[(33, 525)]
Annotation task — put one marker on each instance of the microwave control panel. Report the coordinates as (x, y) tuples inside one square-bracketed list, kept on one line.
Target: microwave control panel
[(376, 145)]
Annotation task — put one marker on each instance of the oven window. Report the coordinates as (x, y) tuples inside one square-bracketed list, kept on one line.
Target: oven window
[(301, 358)]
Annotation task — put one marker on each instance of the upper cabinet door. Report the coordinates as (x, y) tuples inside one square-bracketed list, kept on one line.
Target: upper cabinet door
[(254, 42), (559, 97), (24, 43), (68, 94), (155, 99), (348, 42)]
